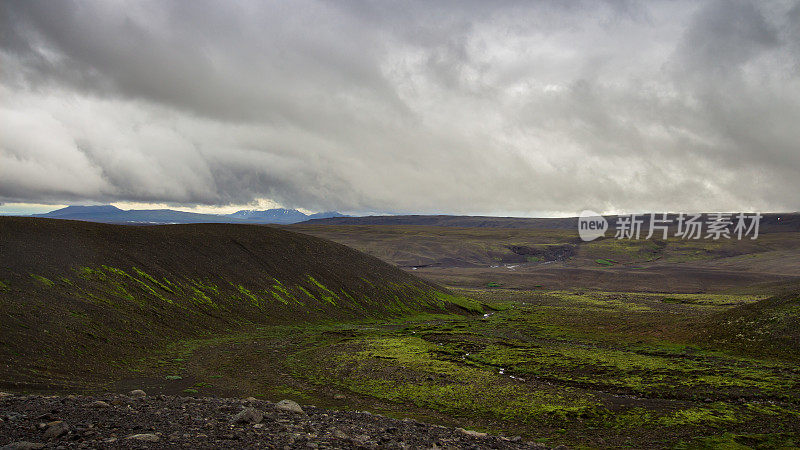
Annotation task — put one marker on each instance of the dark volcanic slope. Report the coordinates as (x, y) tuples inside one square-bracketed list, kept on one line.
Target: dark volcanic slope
[(76, 291)]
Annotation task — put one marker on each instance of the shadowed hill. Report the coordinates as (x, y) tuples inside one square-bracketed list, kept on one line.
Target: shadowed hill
[(769, 327), (96, 293)]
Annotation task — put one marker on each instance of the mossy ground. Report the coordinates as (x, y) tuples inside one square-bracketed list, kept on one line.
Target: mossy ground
[(100, 315), (580, 368)]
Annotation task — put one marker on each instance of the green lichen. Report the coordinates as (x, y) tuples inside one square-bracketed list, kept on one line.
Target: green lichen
[(327, 295), (45, 281), (254, 300)]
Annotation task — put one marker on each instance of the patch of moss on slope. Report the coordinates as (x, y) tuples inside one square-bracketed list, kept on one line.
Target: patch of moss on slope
[(44, 281)]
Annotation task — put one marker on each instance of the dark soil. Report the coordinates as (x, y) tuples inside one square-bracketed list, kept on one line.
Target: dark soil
[(172, 422)]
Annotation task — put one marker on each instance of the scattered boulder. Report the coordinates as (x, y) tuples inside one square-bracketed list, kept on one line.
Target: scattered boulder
[(250, 399), (99, 404), (339, 397), (147, 437), (137, 393), (289, 405), (248, 415), (56, 429), (472, 433)]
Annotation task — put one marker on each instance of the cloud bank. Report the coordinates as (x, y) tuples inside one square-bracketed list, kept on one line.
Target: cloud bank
[(453, 107)]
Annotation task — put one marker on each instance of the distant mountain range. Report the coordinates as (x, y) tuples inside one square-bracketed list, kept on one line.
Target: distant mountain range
[(112, 214), (770, 222)]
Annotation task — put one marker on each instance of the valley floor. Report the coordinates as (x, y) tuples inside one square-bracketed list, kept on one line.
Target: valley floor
[(580, 368)]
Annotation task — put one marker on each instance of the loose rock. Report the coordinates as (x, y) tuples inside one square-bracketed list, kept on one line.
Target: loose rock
[(289, 405), (182, 423), (472, 432), (147, 437), (137, 393), (54, 430), (248, 415)]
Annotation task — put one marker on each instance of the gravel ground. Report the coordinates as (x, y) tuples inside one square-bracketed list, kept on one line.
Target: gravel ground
[(140, 421)]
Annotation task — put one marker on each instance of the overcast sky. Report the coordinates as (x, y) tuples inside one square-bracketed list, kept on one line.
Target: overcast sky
[(521, 108)]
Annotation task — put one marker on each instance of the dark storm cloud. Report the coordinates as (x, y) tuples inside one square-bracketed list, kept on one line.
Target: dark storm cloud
[(417, 106)]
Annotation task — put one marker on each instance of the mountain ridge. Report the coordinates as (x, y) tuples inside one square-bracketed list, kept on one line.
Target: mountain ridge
[(112, 214)]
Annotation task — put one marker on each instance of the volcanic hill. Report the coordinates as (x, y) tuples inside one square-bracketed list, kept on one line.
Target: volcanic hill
[(78, 298)]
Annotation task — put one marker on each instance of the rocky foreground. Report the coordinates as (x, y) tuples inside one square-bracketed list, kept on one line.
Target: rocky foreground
[(140, 421)]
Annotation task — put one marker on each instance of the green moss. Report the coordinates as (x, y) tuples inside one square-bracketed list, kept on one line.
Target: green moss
[(456, 388), (199, 297), (115, 271), (88, 273), (119, 290), (460, 301), (304, 291), (149, 278), (278, 297), (254, 300), (206, 286), (45, 281), (327, 295), (716, 415), (147, 288)]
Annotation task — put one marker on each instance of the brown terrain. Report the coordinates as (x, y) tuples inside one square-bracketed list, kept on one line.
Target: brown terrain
[(547, 253), (509, 330)]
